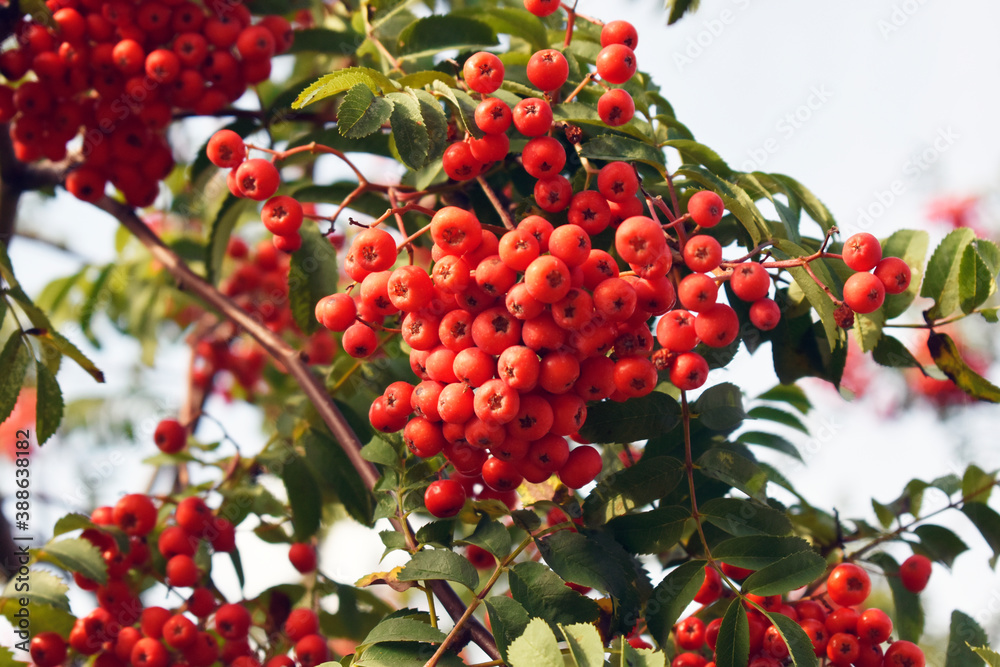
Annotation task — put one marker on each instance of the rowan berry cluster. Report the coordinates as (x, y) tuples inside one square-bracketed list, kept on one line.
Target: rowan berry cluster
[(117, 72), (838, 629), (865, 290)]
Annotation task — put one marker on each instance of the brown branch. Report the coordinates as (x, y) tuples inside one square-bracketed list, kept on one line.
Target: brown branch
[(17, 178), (296, 365)]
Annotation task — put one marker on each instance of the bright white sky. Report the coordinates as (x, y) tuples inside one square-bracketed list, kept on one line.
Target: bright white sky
[(853, 99)]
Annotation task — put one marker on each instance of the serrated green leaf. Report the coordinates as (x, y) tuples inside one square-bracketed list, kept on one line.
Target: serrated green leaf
[(720, 408), (734, 469), (977, 484), (633, 420), (868, 329), (947, 357), (341, 80), (221, 229), (426, 78), (651, 532), (438, 32), (362, 113), (810, 202), (909, 617), (582, 560), (799, 645), (815, 294), (788, 393), (631, 488), (910, 246), (49, 403), (44, 618), (537, 647), (402, 654), (987, 521), (408, 130), (758, 551), (890, 352), (741, 517), (508, 619), (76, 555), (671, 597), (400, 630), (613, 147), (324, 40), (939, 543), (440, 564), (492, 536), (46, 589), (436, 123), (312, 275), (584, 644), (303, 494), (771, 441), (786, 574), (89, 307), (991, 657), (678, 8), (516, 22), (542, 593), (733, 645), (941, 281), (977, 274), (693, 152), (463, 105), (335, 472), (14, 360), (71, 522)]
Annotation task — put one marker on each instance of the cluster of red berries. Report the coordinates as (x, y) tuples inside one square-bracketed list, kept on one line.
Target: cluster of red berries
[(837, 629), (118, 71), (864, 291)]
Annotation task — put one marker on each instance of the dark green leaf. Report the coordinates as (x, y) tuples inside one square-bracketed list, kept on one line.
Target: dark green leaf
[(303, 494), (492, 536), (940, 544), (778, 416), (362, 113), (977, 274), (948, 358), (633, 420), (772, 441), (324, 40), (810, 202), (62, 345), (436, 123), (312, 275), (815, 294), (341, 80), (909, 617), (234, 558), (219, 232), (516, 22), (76, 555), (508, 619), (463, 104), (734, 469), (537, 647), (755, 552), (613, 147), (733, 645), (696, 153), (14, 360), (579, 559), (988, 522), (631, 488), (402, 629), (49, 405), (787, 574), (739, 203), (426, 78), (440, 564), (788, 393), (671, 597), (678, 8), (941, 281), (334, 470), (964, 633), (720, 408), (543, 594), (438, 533), (892, 353), (910, 246), (431, 34), (412, 140), (650, 532), (740, 517), (799, 645)]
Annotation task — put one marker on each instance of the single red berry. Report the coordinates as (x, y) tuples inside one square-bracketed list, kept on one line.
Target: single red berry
[(179, 632), (619, 32), (902, 653), (874, 626), (257, 179), (311, 650), (616, 63), (47, 649), (149, 652), (864, 293), (493, 116), (689, 371), (750, 281), (914, 572), (618, 182), (532, 117), (543, 157), (616, 107), (135, 514), (232, 621), (282, 215), (765, 314), (444, 498), (303, 557), (582, 466), (460, 163), (710, 589), (336, 312), (702, 253), (483, 72), (706, 208), (690, 633), (862, 252), (894, 273), (842, 648), (300, 623), (182, 571), (170, 436), (542, 7), (548, 69), (848, 584)]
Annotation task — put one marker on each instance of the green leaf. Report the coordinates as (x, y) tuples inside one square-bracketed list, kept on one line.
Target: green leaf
[(44, 618), (631, 488), (491, 536), (381, 452), (941, 281), (977, 484), (890, 352), (516, 22), (584, 643), (696, 153), (402, 629), (868, 329), (221, 229), (740, 517), (635, 419), (799, 645), (437, 127), (739, 203), (508, 619), (89, 308), (334, 470), (991, 315), (234, 558), (987, 521), (542, 593), (650, 532), (788, 393), (815, 294), (579, 559), (312, 275), (816, 209), (537, 647), (409, 133), (977, 274), (991, 657), (14, 360), (440, 564), (787, 574), (303, 495), (771, 441), (426, 78), (734, 469), (755, 552), (720, 408), (910, 246), (778, 416), (46, 589), (71, 522), (640, 657), (402, 654), (324, 40), (463, 104), (613, 147), (678, 8), (939, 543), (49, 405), (432, 34), (733, 645), (948, 358), (341, 80), (62, 345), (76, 555), (362, 113), (909, 617), (671, 597)]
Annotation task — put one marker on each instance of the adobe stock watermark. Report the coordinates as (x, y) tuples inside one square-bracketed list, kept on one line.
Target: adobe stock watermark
[(900, 15), (787, 126), (712, 29), (913, 168)]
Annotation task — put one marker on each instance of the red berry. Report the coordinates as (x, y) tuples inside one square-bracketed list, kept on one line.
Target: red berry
[(532, 117), (542, 7), (618, 182), (702, 253), (874, 626), (706, 208), (149, 652), (689, 371), (232, 621), (493, 116), (902, 653), (257, 179), (303, 557), (282, 215), (616, 63), (47, 649), (301, 623), (619, 32), (690, 633), (765, 314), (182, 571), (864, 293), (582, 466), (710, 589), (170, 436), (179, 632), (548, 69), (483, 72), (718, 326), (311, 650), (862, 252), (135, 514), (616, 107), (842, 649), (848, 585), (543, 157), (750, 281), (444, 498), (460, 163), (894, 273), (914, 572)]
